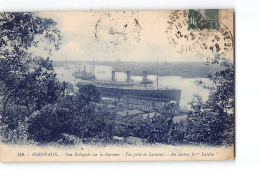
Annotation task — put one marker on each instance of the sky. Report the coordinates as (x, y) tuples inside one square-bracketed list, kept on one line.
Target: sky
[(113, 35)]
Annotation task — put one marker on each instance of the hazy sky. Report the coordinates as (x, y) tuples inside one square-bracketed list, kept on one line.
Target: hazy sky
[(130, 36)]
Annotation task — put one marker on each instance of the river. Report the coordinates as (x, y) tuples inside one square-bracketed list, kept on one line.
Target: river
[(188, 86)]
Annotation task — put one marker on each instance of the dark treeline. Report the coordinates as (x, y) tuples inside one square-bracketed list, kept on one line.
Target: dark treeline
[(37, 108)]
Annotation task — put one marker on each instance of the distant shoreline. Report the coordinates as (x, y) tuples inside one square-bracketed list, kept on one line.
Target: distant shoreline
[(183, 69)]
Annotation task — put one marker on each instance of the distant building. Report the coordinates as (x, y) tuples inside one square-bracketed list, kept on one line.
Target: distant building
[(128, 114), (147, 104), (150, 117), (137, 116)]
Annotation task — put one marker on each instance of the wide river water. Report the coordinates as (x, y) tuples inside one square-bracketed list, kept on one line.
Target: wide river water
[(188, 86)]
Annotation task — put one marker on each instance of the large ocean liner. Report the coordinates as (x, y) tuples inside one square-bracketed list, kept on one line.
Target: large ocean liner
[(136, 95)]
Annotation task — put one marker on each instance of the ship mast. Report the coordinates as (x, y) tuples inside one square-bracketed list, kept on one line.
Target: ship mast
[(93, 66), (157, 77), (66, 61), (67, 67)]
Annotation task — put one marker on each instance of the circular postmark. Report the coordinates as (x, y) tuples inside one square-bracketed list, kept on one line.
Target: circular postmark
[(117, 28), (202, 41)]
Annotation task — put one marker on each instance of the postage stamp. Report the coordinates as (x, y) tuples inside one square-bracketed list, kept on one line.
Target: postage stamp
[(117, 85), (199, 32), (203, 19)]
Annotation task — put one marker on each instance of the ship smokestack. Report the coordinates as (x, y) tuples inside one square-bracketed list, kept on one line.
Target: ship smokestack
[(84, 69), (144, 76), (113, 76), (127, 76)]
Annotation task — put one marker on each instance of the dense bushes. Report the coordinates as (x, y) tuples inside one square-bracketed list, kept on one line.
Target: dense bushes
[(212, 122), (69, 115)]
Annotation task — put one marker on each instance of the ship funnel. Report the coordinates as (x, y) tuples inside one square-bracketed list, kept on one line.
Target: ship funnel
[(128, 76), (144, 76), (113, 76), (145, 81)]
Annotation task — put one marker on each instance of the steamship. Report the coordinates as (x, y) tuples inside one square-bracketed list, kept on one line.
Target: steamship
[(84, 75), (137, 95)]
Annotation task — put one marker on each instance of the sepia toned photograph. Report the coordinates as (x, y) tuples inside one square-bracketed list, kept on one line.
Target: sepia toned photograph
[(117, 85)]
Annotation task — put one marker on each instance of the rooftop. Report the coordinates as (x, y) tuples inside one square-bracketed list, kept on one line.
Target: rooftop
[(129, 112), (150, 115)]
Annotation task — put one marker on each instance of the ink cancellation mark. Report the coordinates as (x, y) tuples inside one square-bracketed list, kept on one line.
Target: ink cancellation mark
[(116, 28), (191, 32)]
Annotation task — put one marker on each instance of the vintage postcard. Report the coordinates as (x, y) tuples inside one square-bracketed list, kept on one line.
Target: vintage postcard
[(117, 85)]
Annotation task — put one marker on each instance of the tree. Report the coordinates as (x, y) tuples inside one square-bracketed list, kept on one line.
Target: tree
[(90, 123), (19, 80), (88, 93), (31, 95), (28, 82), (212, 122), (50, 122), (69, 115)]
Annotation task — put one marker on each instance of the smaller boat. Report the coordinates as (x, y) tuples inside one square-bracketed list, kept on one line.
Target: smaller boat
[(84, 75)]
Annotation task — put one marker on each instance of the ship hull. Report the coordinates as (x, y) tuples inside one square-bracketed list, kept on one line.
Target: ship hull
[(85, 77), (166, 94)]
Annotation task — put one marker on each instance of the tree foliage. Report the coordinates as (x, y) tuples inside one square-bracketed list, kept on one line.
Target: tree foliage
[(88, 93), (28, 82), (26, 79), (71, 115), (212, 122)]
